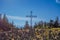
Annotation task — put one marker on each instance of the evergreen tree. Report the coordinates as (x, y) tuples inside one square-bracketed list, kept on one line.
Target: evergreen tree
[(26, 25), (12, 23), (56, 24), (5, 18), (45, 24), (35, 26), (51, 24), (40, 24), (5, 22), (0, 16)]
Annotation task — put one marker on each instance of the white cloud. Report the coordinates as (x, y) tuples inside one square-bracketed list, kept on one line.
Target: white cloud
[(18, 18), (57, 1), (22, 18)]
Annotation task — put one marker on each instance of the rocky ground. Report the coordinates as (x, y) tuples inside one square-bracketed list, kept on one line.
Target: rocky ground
[(37, 34)]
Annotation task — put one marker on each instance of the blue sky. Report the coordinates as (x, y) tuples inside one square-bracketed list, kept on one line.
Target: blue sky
[(16, 10)]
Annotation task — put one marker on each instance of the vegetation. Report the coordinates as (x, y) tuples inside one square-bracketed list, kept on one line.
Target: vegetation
[(41, 31)]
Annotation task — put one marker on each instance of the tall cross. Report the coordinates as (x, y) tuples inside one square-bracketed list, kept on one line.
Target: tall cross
[(31, 16)]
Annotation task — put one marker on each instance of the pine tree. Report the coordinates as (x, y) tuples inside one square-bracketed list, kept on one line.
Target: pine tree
[(56, 24), (45, 24), (26, 25), (0, 16), (40, 24), (35, 26), (51, 24), (5, 18), (11, 25), (5, 22)]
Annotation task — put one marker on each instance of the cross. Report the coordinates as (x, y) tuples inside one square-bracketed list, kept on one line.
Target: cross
[(31, 16)]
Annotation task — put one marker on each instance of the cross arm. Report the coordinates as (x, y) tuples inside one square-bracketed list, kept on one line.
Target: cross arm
[(31, 16)]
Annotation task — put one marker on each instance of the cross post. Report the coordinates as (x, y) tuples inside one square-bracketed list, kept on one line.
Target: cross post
[(31, 16)]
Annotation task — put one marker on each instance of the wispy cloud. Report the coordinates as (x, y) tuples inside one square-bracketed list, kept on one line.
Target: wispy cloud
[(22, 18), (57, 1), (17, 17)]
